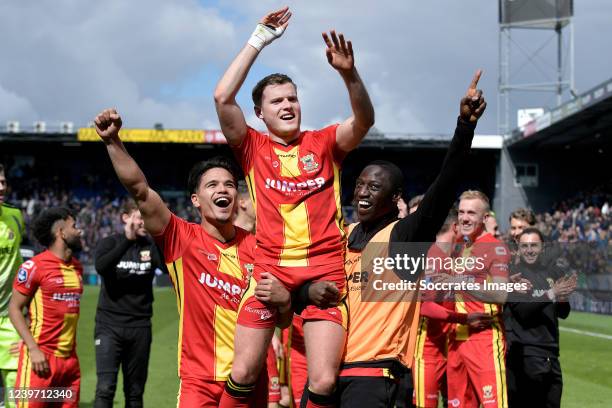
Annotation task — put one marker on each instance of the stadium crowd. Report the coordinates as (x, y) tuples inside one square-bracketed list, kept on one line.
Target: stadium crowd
[(360, 346), (583, 218)]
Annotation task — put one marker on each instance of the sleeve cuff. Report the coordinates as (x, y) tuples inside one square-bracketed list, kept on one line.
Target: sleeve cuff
[(464, 124)]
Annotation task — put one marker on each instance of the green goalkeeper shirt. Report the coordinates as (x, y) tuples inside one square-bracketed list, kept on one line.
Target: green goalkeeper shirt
[(12, 228)]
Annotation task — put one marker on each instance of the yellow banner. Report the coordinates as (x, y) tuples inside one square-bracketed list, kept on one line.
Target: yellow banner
[(157, 136)]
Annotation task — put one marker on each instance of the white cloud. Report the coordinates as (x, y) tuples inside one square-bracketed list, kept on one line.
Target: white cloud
[(67, 59)]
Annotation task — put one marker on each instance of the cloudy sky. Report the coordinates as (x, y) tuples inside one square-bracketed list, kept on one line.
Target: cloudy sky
[(158, 61)]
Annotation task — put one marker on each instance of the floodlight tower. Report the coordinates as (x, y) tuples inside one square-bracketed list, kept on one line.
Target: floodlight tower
[(554, 15)]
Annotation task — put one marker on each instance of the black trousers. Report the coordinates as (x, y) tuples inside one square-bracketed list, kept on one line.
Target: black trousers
[(372, 392), (534, 381), (128, 347)]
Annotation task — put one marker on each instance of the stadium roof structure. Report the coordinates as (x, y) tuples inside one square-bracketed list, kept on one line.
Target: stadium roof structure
[(584, 121), (374, 139)]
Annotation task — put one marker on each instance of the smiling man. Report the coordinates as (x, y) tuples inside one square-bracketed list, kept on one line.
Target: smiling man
[(208, 264), (294, 180), (375, 366), (476, 355)]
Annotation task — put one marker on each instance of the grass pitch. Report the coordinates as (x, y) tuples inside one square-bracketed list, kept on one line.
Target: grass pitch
[(586, 361), (162, 383)]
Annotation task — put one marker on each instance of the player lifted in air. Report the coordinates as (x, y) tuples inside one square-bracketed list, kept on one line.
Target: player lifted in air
[(208, 264), (294, 180), (51, 285)]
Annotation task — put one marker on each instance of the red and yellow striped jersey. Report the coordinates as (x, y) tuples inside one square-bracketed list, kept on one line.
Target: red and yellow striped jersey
[(56, 288), (209, 279), (492, 258), (435, 331), (296, 193)]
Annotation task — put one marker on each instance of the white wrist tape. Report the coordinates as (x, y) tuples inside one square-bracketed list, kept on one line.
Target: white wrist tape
[(264, 35)]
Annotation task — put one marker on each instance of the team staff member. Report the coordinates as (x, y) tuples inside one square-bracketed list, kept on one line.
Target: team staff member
[(12, 229), (208, 265), (534, 371), (127, 263), (373, 363), (50, 285), (294, 179)]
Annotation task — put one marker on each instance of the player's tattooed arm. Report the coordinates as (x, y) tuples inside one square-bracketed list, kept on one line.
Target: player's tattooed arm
[(18, 302), (154, 212), (340, 56), (231, 117)]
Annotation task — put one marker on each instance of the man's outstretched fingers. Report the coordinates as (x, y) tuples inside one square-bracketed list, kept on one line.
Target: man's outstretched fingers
[(475, 79)]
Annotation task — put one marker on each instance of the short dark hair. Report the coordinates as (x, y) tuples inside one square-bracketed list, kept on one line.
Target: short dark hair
[(1, 167), (451, 218), (532, 230), (396, 177), (196, 172), (272, 79), (129, 206), (523, 214), (43, 224)]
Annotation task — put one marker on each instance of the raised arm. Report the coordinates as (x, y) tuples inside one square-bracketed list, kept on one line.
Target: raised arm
[(427, 220), (154, 212), (231, 117), (340, 56)]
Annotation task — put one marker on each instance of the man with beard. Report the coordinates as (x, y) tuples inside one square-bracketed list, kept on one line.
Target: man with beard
[(208, 264), (127, 263), (50, 285), (373, 363)]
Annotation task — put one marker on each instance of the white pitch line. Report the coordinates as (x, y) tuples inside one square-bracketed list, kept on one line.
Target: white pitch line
[(586, 333)]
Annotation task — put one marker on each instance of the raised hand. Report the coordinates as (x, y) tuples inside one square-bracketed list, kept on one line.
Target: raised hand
[(473, 104), (277, 19), (518, 278), (339, 52), (130, 228), (108, 122), (270, 27)]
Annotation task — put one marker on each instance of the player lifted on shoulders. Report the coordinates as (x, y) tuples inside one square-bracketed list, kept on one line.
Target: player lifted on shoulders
[(294, 179)]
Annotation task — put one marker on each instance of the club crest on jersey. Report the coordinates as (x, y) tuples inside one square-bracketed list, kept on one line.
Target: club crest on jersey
[(487, 391), (22, 275), (145, 255), (249, 268), (309, 163)]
